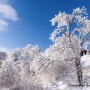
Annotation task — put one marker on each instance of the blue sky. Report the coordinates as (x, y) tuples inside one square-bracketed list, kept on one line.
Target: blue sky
[(29, 23)]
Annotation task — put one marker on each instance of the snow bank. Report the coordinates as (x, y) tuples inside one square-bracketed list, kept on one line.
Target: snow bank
[(85, 60)]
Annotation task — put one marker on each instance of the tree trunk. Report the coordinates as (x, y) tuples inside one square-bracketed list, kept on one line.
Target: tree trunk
[(78, 71)]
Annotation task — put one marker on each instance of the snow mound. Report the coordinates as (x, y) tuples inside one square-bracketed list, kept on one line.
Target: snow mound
[(85, 60)]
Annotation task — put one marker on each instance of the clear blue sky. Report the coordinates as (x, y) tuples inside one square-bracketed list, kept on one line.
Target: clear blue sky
[(33, 26)]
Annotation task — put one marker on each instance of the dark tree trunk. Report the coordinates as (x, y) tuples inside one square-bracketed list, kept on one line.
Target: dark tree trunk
[(78, 71)]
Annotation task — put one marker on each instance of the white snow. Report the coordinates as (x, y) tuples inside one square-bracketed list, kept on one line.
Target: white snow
[(85, 60)]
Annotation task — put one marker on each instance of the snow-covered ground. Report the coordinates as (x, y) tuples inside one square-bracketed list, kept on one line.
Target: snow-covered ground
[(62, 86)]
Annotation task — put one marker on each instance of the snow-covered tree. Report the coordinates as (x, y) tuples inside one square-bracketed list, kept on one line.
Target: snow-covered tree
[(50, 70), (17, 71), (15, 54), (3, 56), (30, 52), (27, 53), (70, 36)]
